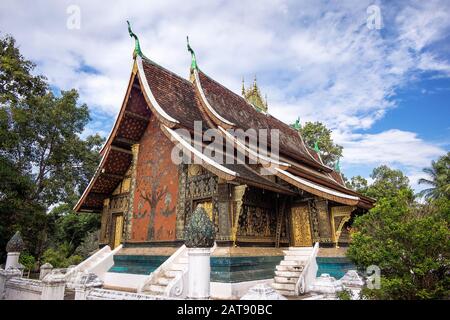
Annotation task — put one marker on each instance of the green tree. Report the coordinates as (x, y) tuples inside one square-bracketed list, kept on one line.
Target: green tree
[(388, 183), (44, 160), (16, 79), (411, 245), (71, 228), (359, 184), (316, 132), (439, 179), (17, 212)]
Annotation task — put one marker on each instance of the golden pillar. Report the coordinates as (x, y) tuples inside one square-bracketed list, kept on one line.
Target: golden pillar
[(129, 214)]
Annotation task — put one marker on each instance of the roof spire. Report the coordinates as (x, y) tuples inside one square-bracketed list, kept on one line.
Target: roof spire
[(337, 166), (193, 59), (137, 46), (243, 87), (297, 125), (316, 147)]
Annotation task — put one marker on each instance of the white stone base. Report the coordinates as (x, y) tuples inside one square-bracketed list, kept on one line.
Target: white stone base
[(12, 260), (199, 273), (124, 280), (234, 291)]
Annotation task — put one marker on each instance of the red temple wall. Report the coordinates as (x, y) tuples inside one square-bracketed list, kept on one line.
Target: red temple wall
[(155, 196)]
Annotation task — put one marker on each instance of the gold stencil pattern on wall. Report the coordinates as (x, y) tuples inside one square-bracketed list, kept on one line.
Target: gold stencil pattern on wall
[(301, 229)]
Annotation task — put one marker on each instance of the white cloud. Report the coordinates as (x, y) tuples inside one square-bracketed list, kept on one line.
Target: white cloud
[(393, 147)]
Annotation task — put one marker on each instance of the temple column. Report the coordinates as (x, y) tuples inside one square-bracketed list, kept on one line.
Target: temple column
[(129, 214), (238, 198), (181, 202), (224, 211), (104, 228)]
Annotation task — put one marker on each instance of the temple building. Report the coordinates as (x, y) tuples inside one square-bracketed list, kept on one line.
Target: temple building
[(145, 199)]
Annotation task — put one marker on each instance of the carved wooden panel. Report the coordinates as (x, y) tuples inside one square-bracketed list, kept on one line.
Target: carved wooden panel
[(301, 228), (257, 222), (325, 232), (119, 203)]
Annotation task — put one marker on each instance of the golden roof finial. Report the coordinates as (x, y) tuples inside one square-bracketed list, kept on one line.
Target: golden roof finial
[(254, 97)]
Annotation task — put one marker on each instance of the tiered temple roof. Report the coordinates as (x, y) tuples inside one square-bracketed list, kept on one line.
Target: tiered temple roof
[(177, 103)]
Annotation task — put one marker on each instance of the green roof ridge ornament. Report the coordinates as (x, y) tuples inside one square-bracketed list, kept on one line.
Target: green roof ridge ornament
[(137, 46), (297, 125), (193, 59), (316, 147), (337, 166)]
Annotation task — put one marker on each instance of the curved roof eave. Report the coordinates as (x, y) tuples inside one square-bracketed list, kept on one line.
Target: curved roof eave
[(210, 164), (265, 161), (92, 181), (316, 189), (209, 109)]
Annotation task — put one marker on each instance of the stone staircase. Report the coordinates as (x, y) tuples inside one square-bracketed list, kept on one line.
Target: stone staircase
[(98, 263), (170, 279), (293, 273)]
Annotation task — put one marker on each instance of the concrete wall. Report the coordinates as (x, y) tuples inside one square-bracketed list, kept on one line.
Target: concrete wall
[(23, 289)]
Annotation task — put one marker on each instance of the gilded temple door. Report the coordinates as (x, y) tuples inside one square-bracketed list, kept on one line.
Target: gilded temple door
[(118, 229), (300, 226)]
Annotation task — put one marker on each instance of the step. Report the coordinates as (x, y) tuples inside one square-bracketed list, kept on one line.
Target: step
[(286, 292), (290, 268), (164, 281), (301, 248), (282, 279), (157, 288), (152, 293), (171, 273), (297, 252), (294, 274), (178, 266), (283, 286), (291, 263), (116, 288), (302, 259)]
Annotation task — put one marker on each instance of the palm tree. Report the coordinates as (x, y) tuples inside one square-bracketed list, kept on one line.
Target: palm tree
[(439, 179)]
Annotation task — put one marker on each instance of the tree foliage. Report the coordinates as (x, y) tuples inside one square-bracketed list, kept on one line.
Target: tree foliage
[(387, 183), (71, 228), (359, 184), (411, 245), (317, 132), (439, 179), (43, 158), (407, 240)]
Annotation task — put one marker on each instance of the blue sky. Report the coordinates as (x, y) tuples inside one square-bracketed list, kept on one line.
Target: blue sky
[(384, 91)]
